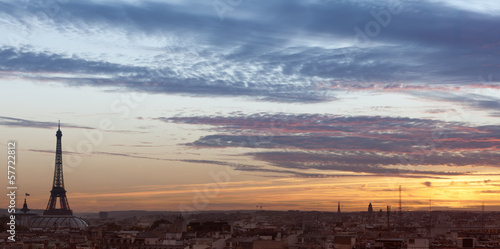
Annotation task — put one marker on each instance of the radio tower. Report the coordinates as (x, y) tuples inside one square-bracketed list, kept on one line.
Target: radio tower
[(388, 218), (58, 190), (482, 216), (400, 209), (430, 218)]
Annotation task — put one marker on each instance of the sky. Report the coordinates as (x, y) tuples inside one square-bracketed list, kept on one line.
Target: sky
[(237, 104)]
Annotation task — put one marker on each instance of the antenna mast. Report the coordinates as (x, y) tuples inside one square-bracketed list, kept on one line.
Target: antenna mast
[(430, 218), (482, 216), (388, 218), (400, 209)]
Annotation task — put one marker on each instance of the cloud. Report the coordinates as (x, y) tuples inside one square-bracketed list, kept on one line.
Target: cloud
[(42, 67), (362, 144), (330, 132), (491, 191), (129, 155), (427, 184), (18, 122), (137, 145), (280, 51), (51, 151), (465, 101), (372, 161), (294, 172)]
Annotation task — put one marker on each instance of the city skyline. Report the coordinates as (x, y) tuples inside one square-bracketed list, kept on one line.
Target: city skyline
[(233, 105)]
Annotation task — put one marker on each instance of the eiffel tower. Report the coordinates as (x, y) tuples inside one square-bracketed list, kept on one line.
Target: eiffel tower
[(58, 190)]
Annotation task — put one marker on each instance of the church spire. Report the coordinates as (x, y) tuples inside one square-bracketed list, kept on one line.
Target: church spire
[(25, 208)]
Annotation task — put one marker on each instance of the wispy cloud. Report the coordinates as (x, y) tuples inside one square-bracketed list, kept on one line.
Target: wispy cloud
[(299, 173), (18, 122), (371, 145), (330, 132), (262, 53)]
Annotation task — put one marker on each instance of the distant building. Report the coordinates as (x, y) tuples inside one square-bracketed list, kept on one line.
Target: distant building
[(344, 242), (417, 243), (179, 225), (388, 243), (252, 243), (466, 243), (311, 240), (147, 238), (234, 243), (203, 243), (267, 244), (208, 227), (25, 215), (103, 215), (370, 215)]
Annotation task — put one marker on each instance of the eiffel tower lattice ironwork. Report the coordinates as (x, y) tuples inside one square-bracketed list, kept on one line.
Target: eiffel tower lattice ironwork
[(58, 190)]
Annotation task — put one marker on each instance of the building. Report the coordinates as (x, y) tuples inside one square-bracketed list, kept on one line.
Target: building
[(267, 244), (388, 243), (25, 215), (234, 243), (344, 242), (208, 227), (466, 243), (103, 215), (417, 243)]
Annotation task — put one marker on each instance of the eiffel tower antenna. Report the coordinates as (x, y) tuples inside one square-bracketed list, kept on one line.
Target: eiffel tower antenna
[(58, 191)]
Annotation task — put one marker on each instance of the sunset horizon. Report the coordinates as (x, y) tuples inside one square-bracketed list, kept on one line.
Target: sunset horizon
[(190, 106)]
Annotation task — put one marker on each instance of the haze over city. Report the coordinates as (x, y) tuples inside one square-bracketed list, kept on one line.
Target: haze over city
[(233, 105)]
